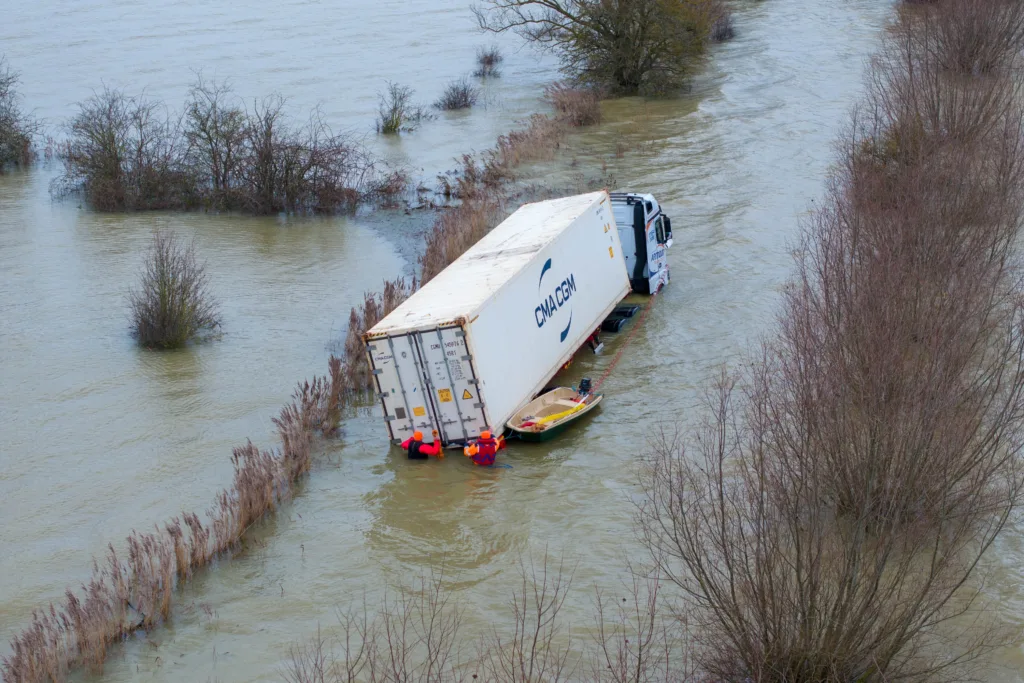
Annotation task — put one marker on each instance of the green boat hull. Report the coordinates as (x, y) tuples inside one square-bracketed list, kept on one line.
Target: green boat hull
[(554, 431)]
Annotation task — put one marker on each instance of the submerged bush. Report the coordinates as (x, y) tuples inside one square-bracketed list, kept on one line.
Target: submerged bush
[(458, 94), (396, 112), (172, 304), (16, 129), (487, 61), (575, 106), (128, 153)]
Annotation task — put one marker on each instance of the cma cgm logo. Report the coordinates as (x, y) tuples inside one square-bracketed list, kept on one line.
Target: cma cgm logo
[(555, 299)]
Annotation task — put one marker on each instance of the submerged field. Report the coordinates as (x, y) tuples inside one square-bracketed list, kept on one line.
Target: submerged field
[(100, 437)]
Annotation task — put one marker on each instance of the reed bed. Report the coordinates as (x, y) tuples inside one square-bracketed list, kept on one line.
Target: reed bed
[(132, 593)]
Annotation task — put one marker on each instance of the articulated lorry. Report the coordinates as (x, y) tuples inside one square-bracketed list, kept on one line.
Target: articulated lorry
[(478, 341)]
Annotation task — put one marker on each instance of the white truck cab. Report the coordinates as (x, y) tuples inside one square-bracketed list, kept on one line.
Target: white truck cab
[(646, 235)]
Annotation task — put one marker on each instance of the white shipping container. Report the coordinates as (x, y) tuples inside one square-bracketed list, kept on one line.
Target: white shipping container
[(478, 341)]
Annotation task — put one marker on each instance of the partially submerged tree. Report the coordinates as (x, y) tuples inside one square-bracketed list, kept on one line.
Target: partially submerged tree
[(16, 128), (172, 304), (629, 45)]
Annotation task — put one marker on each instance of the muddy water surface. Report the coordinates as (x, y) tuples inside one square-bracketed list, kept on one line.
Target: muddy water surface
[(99, 437)]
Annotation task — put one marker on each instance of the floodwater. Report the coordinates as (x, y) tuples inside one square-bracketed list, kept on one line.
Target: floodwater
[(99, 437)]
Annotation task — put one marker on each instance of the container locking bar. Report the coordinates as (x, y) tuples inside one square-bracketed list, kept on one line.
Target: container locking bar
[(401, 384), (451, 383)]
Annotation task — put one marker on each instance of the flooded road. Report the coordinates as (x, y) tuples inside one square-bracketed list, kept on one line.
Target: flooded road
[(99, 437)]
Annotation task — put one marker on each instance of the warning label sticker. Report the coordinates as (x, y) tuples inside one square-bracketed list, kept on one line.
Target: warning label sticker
[(445, 395), (419, 411), (466, 395)]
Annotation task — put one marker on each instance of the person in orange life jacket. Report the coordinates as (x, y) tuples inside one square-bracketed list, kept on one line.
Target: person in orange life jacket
[(485, 449), (418, 450)]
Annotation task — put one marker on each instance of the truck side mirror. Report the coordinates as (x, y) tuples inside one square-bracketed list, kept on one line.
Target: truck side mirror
[(668, 227)]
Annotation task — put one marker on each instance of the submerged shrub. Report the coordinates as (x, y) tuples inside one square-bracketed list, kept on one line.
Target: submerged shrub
[(16, 129), (575, 106), (487, 61), (172, 303), (396, 112), (458, 94), (126, 152)]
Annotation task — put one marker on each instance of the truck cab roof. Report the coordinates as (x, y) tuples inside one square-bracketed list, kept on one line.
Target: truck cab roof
[(622, 204)]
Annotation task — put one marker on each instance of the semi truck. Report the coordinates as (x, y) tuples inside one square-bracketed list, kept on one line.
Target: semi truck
[(479, 340)]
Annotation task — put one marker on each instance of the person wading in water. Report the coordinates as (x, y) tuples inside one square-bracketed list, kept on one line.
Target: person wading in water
[(418, 450), (485, 449)]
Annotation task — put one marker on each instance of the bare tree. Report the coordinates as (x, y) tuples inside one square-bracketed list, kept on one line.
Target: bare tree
[(626, 44), (638, 638), (16, 128), (215, 130), (538, 649), (782, 590)]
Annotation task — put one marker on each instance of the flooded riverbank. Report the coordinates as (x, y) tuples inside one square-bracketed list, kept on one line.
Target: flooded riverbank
[(100, 437)]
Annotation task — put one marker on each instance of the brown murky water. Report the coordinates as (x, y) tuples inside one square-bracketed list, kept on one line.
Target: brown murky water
[(99, 437)]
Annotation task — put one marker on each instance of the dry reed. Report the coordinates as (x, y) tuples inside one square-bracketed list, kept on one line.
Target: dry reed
[(125, 596), (575, 106), (355, 370)]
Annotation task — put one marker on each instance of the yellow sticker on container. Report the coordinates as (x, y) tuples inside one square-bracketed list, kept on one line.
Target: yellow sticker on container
[(419, 411), (466, 395), (611, 252), (445, 395)]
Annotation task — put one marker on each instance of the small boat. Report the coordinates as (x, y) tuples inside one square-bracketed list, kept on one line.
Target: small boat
[(551, 413)]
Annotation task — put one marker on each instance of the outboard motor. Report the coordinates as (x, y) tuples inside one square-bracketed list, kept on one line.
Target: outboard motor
[(584, 387)]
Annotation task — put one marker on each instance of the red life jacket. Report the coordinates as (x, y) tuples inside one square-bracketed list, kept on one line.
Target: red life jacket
[(487, 449)]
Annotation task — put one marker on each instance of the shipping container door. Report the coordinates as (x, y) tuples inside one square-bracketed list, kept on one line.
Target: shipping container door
[(404, 400), (452, 383)]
